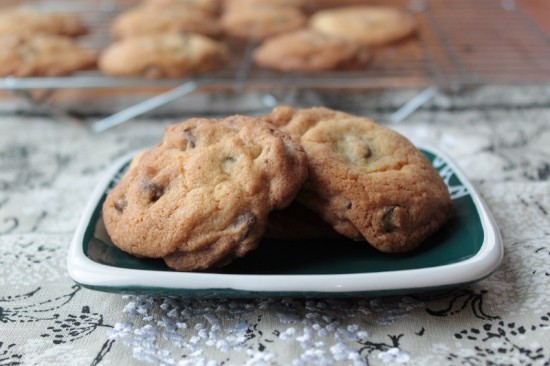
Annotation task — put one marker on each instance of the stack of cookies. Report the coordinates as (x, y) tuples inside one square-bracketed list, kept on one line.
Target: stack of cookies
[(34, 43), (206, 193)]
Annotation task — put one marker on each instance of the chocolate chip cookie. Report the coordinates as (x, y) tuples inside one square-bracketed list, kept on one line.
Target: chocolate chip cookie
[(42, 55), (369, 25), (171, 18), (241, 4), (211, 6), (202, 196), (261, 21), (14, 20), (163, 56), (367, 181), (311, 51)]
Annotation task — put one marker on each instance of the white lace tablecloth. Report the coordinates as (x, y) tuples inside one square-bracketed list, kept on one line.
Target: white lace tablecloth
[(499, 136)]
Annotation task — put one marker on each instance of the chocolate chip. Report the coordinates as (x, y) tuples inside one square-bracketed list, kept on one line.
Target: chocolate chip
[(246, 220), (121, 204), (388, 224), (189, 140), (153, 190)]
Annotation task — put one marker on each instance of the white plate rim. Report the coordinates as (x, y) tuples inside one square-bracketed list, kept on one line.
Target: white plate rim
[(89, 273)]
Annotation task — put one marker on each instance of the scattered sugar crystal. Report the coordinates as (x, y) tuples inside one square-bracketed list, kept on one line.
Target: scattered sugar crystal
[(394, 355)]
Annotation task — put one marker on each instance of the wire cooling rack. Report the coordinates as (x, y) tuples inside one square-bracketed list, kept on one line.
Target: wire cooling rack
[(458, 43)]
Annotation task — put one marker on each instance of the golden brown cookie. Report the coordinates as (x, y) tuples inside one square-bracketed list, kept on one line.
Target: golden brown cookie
[(202, 196), (168, 55), (173, 18), (241, 4), (311, 51), (211, 6), (14, 20), (369, 25), (42, 55), (325, 4), (262, 21), (366, 180)]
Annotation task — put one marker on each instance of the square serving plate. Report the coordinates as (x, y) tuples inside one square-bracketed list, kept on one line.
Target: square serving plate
[(466, 249)]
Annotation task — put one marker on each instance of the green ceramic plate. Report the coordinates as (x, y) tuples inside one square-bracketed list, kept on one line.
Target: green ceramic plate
[(466, 249)]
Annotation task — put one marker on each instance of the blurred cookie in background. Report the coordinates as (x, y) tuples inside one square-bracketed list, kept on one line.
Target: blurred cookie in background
[(261, 21), (211, 6), (14, 20), (369, 25), (325, 4), (30, 54), (241, 4), (310, 51), (163, 56), (172, 18)]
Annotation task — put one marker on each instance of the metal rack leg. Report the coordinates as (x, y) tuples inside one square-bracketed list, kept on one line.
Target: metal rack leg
[(412, 105), (143, 107)]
